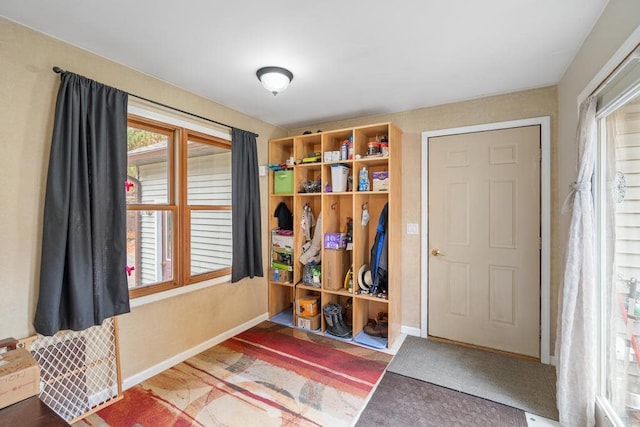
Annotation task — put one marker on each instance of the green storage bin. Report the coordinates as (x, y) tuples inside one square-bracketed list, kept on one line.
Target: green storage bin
[(283, 182)]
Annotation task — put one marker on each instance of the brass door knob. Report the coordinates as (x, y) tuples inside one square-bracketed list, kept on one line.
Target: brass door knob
[(436, 252)]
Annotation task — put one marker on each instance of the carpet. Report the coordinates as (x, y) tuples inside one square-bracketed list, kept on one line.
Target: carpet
[(269, 375), (418, 403), (522, 384)]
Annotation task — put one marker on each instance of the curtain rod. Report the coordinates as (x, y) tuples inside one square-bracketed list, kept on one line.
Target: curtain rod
[(634, 54), (59, 70)]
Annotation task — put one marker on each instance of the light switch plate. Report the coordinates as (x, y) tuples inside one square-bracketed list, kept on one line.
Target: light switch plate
[(412, 229), (262, 170)]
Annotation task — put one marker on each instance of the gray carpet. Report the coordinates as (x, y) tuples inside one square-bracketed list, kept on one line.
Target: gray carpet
[(522, 384), (404, 401)]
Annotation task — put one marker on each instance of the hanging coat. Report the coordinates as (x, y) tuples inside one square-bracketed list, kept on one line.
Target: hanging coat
[(285, 218), (379, 254)]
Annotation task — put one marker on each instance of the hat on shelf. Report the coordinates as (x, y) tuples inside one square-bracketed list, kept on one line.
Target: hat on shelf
[(364, 278)]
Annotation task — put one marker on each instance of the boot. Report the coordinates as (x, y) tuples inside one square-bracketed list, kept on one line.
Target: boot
[(378, 327), (348, 312), (334, 321)]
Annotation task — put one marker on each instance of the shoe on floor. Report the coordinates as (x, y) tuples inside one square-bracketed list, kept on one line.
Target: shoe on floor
[(377, 329)]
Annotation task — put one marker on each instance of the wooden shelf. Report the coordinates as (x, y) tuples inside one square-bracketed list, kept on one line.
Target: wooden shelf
[(289, 284), (342, 292), (336, 207), (308, 288), (372, 298)]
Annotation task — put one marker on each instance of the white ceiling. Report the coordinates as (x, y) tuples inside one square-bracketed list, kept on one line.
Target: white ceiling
[(350, 58)]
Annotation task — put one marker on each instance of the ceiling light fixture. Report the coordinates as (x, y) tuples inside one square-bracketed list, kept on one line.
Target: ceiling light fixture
[(274, 79)]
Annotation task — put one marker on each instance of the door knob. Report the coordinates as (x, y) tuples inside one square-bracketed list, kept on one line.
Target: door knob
[(436, 252)]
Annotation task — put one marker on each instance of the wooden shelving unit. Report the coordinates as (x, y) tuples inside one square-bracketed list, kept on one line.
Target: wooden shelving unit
[(336, 208)]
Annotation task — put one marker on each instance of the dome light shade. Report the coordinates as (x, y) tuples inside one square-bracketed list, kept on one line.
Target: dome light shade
[(274, 79)]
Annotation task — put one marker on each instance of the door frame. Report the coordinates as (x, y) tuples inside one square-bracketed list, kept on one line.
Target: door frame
[(545, 219)]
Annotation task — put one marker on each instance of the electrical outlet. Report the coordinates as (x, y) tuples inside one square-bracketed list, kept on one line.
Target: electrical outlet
[(412, 229)]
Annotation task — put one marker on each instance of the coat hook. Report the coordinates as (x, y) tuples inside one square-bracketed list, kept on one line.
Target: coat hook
[(334, 205)]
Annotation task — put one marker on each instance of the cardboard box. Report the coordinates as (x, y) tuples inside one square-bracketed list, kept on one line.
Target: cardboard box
[(280, 275), (310, 323), (19, 376), (334, 268), (335, 240), (308, 305), (282, 260), (283, 182), (282, 242), (381, 181)]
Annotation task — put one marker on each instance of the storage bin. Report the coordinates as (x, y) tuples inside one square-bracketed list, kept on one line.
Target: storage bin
[(339, 176), (283, 182)]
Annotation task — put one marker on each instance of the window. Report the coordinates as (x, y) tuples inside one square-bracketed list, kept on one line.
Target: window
[(618, 112), (178, 193)]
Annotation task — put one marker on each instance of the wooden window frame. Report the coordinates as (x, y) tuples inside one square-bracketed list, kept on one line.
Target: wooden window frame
[(177, 203), (186, 208)]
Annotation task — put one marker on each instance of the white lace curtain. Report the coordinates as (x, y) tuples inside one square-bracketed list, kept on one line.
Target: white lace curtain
[(576, 342)]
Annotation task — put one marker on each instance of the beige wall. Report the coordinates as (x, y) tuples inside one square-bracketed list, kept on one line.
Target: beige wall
[(514, 106), (28, 87)]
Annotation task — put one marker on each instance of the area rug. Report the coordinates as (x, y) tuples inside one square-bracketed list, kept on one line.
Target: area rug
[(404, 401), (522, 384), (270, 375)]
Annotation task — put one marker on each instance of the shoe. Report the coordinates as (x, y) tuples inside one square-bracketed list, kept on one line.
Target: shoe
[(348, 312), (335, 322), (378, 327)]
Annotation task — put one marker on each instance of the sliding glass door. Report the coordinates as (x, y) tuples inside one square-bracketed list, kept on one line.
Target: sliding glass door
[(619, 218)]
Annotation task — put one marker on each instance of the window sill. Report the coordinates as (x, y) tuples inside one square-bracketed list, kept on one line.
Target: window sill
[(148, 299)]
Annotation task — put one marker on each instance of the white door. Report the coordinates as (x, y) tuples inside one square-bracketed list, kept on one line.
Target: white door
[(484, 239)]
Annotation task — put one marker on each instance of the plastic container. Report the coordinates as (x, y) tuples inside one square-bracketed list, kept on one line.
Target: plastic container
[(363, 180), (350, 152), (344, 151), (339, 175)]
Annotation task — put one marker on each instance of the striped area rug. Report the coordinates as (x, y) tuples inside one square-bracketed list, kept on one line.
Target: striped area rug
[(269, 375)]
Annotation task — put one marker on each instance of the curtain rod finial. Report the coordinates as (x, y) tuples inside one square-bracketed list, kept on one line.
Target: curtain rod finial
[(58, 70)]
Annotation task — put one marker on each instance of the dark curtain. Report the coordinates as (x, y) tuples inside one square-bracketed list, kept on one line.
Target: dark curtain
[(245, 199), (82, 274)]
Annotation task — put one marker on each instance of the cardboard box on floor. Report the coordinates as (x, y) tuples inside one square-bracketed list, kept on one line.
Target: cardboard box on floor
[(19, 376), (311, 323)]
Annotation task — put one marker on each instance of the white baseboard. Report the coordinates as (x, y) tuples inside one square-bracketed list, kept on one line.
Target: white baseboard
[(181, 357), (552, 360), (410, 330)]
